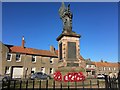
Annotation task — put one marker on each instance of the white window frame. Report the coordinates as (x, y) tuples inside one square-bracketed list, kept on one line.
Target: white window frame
[(104, 68), (51, 71), (7, 56), (90, 66), (8, 70), (33, 69), (35, 59), (93, 66), (87, 66), (114, 68), (51, 59), (19, 57)]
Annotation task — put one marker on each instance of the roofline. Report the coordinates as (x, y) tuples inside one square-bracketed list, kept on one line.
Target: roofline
[(7, 45), (36, 54)]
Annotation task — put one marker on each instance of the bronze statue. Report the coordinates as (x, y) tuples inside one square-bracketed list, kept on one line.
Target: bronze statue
[(66, 16)]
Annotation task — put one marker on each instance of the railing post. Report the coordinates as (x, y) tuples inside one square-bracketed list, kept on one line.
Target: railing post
[(119, 81), (53, 84), (98, 83), (110, 81), (75, 85), (116, 82), (14, 84), (2, 84), (8, 88), (46, 84), (90, 84), (68, 85), (40, 85), (20, 84), (119, 75), (33, 84), (61, 85), (26, 84), (106, 82), (83, 84), (114, 85)]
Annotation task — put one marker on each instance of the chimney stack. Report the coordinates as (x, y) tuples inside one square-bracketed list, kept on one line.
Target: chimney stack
[(23, 42), (101, 60), (52, 49)]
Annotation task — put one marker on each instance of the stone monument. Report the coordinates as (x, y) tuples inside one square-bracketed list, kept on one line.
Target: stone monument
[(68, 40)]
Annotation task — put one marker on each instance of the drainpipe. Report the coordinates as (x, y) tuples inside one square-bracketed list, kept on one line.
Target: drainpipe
[(26, 69)]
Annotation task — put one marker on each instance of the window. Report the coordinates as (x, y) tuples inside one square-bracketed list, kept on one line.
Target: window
[(93, 72), (51, 60), (18, 57), (87, 66), (33, 69), (114, 68), (93, 66), (33, 59), (51, 70), (7, 70), (42, 69), (104, 68), (8, 56)]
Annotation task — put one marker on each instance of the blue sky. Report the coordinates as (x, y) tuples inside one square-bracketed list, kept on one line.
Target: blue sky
[(40, 24)]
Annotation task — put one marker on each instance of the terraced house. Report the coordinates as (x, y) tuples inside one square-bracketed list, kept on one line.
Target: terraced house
[(105, 67), (20, 61)]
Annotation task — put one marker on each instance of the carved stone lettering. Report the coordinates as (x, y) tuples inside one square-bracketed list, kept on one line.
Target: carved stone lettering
[(71, 50)]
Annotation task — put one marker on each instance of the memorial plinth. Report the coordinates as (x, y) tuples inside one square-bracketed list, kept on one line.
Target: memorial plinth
[(68, 47)]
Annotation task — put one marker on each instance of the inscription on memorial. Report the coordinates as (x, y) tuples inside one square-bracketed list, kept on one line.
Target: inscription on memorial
[(71, 50)]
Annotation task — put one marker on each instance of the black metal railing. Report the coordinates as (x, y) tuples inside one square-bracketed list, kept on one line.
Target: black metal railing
[(52, 84), (40, 84), (112, 82)]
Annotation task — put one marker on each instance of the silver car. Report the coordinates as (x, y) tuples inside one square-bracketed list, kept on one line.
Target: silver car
[(100, 76), (40, 75)]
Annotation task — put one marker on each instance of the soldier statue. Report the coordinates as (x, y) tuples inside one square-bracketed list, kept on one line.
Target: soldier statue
[(66, 16)]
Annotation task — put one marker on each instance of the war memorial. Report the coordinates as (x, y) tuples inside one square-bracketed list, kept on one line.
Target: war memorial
[(65, 67)]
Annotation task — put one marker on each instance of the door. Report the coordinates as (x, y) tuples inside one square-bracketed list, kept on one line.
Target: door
[(17, 72)]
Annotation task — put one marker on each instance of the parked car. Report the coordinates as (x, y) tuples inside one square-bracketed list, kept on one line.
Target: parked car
[(40, 75), (6, 78), (100, 76)]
